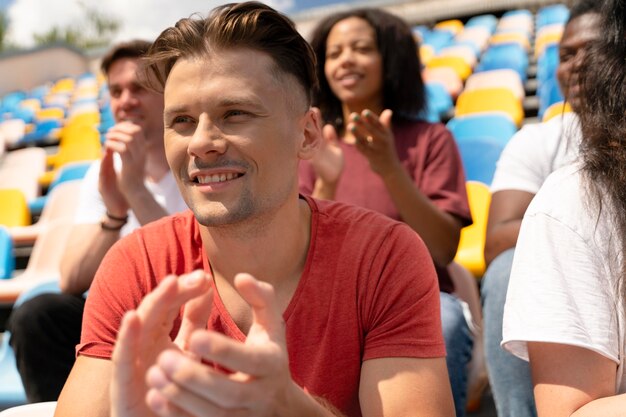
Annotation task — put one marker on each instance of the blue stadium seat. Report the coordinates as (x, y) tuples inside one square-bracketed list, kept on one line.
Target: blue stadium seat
[(493, 125), (505, 56), (479, 156), (438, 101), (7, 258)]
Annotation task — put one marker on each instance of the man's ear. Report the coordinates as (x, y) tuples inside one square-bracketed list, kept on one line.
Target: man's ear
[(311, 134)]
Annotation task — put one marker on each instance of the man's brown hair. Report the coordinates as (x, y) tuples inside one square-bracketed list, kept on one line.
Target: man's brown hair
[(131, 49), (250, 25)]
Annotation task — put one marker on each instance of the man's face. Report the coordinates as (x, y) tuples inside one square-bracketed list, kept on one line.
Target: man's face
[(235, 127), (131, 102), (572, 50)]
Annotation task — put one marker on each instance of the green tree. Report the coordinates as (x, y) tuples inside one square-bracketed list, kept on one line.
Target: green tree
[(97, 30)]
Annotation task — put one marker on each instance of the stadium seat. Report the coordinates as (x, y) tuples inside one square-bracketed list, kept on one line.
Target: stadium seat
[(462, 51), (497, 126), (556, 109), (445, 76), (43, 264), (479, 156), (505, 56), (61, 204), (549, 92), (555, 13), (13, 208), (497, 78), (75, 151), (459, 65), (45, 409), (7, 258), (490, 100), (68, 172), (472, 241), (487, 21), (438, 102)]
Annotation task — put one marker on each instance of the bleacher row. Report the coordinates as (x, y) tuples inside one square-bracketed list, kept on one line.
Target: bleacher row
[(476, 76)]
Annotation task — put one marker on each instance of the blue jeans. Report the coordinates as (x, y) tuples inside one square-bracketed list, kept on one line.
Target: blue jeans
[(459, 343), (509, 376)]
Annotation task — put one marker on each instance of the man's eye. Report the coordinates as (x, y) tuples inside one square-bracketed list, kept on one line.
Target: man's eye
[(233, 113), (182, 119)]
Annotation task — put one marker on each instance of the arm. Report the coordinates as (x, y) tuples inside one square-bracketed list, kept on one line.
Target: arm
[(86, 246), (116, 387), (505, 218), (439, 230), (399, 387), (572, 381), (86, 391)]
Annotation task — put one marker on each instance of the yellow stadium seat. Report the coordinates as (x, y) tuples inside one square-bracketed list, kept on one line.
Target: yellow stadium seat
[(455, 26), (507, 78), (50, 113), (556, 109), (458, 64), (31, 103), (489, 100), (64, 85), (89, 118), (472, 241), (542, 43), (87, 149), (511, 37), (13, 208), (426, 53)]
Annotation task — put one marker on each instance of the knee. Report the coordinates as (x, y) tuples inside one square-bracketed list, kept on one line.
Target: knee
[(453, 321), (33, 313)]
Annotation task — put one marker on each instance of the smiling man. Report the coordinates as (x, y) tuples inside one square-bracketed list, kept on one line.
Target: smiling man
[(257, 301)]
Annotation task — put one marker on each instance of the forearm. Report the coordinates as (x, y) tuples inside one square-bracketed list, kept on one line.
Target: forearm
[(606, 407), (501, 237), (85, 250), (439, 230), (300, 403), (143, 205)]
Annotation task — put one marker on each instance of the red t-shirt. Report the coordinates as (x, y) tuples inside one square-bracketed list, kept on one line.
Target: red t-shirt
[(429, 154), (368, 290)]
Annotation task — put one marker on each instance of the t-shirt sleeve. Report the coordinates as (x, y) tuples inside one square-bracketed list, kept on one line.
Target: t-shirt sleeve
[(90, 207), (522, 163), (443, 177), (401, 313), (119, 286), (558, 292)]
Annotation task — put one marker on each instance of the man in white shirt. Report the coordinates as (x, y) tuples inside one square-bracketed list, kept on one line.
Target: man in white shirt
[(132, 185)]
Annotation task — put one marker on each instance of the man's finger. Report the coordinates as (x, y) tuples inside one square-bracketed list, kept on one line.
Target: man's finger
[(125, 353), (195, 315), (159, 309), (250, 359), (261, 297)]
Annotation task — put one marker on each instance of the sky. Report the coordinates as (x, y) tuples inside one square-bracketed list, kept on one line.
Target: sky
[(140, 18)]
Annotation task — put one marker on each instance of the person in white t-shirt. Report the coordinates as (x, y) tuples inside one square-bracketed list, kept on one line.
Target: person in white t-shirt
[(528, 159), (565, 309), (130, 186)]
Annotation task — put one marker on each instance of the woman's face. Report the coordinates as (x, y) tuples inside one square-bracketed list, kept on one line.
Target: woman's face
[(353, 64)]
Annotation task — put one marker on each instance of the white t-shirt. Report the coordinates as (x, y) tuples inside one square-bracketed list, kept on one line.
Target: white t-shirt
[(535, 151), (91, 207), (562, 289)]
